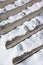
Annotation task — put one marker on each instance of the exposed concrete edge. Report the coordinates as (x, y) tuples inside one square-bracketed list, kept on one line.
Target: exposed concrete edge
[(26, 55), (12, 12), (5, 3), (8, 27), (18, 39)]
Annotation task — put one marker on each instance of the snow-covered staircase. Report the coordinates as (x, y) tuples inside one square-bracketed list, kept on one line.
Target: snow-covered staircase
[(21, 32)]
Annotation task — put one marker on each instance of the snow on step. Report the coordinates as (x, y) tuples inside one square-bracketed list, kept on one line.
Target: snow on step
[(20, 15), (27, 45), (22, 29), (36, 59), (32, 42), (13, 6)]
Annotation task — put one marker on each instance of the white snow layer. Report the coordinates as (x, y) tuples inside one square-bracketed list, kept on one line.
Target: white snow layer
[(12, 19), (34, 41), (24, 46), (26, 26), (6, 56), (13, 6)]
